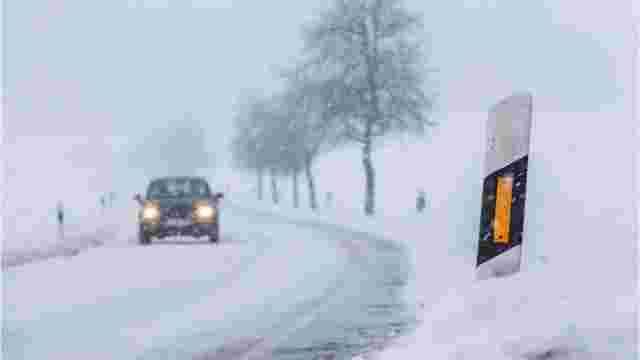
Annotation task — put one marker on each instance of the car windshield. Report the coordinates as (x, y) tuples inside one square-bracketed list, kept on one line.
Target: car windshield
[(175, 188)]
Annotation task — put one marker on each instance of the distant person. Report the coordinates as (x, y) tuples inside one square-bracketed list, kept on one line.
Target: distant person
[(421, 201)]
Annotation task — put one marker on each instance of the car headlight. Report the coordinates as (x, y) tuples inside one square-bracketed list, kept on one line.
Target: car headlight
[(150, 212), (205, 212)]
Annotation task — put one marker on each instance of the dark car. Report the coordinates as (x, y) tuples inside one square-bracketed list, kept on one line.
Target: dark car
[(179, 206)]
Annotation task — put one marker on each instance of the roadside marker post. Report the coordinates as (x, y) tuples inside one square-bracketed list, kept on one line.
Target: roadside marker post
[(504, 187), (60, 217)]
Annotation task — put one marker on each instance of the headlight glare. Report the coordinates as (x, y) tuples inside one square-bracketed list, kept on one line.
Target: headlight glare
[(150, 213), (205, 212)]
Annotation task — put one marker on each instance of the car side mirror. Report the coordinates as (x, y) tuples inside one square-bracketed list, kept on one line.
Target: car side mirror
[(138, 198), (218, 196)]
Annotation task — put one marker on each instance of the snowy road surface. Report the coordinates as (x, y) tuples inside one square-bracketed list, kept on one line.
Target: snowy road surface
[(273, 288)]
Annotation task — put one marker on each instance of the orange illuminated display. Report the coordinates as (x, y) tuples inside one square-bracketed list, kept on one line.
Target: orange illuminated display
[(502, 220)]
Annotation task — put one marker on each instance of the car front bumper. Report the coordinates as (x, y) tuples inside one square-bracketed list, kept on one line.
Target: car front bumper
[(163, 229)]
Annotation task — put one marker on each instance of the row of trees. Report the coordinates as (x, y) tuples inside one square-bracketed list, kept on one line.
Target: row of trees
[(361, 76)]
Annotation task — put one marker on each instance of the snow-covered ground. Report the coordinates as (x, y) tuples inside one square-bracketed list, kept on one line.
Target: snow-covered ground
[(40, 171), (266, 283), (576, 296), (144, 297)]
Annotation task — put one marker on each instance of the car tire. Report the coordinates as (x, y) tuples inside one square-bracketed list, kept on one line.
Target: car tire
[(143, 238), (214, 237)]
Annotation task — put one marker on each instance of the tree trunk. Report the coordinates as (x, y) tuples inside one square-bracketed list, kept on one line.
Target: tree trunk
[(372, 58), (311, 185), (260, 184), (274, 187), (369, 172), (296, 193)]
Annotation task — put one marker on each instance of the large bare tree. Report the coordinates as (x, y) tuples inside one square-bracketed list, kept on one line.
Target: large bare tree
[(371, 51)]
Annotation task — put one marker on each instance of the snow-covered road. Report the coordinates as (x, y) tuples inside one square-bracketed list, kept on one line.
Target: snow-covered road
[(273, 288)]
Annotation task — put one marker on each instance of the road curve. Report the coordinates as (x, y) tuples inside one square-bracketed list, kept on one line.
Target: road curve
[(273, 289)]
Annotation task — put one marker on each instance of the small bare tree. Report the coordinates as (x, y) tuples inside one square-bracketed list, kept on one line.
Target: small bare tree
[(261, 142), (310, 101), (249, 143), (373, 52)]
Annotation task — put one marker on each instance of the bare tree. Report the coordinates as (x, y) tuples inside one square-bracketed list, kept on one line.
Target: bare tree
[(272, 133), (248, 142), (291, 154), (371, 52), (259, 144), (310, 101), (284, 142)]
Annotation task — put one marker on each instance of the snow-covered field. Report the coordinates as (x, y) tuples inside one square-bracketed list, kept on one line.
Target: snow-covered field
[(576, 296), (42, 170)]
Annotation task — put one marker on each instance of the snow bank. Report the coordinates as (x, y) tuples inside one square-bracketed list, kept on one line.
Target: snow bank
[(95, 231), (533, 315)]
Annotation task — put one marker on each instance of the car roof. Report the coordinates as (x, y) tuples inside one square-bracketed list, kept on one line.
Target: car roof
[(179, 178)]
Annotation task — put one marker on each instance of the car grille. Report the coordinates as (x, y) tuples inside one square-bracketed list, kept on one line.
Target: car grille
[(179, 211)]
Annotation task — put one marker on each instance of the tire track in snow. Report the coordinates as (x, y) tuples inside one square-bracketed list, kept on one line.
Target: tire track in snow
[(268, 313), (133, 307), (355, 246)]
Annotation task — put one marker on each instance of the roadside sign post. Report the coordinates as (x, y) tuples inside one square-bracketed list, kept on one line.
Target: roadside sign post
[(60, 216), (504, 187)]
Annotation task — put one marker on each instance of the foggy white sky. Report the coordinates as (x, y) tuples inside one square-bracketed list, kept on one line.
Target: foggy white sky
[(119, 67)]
